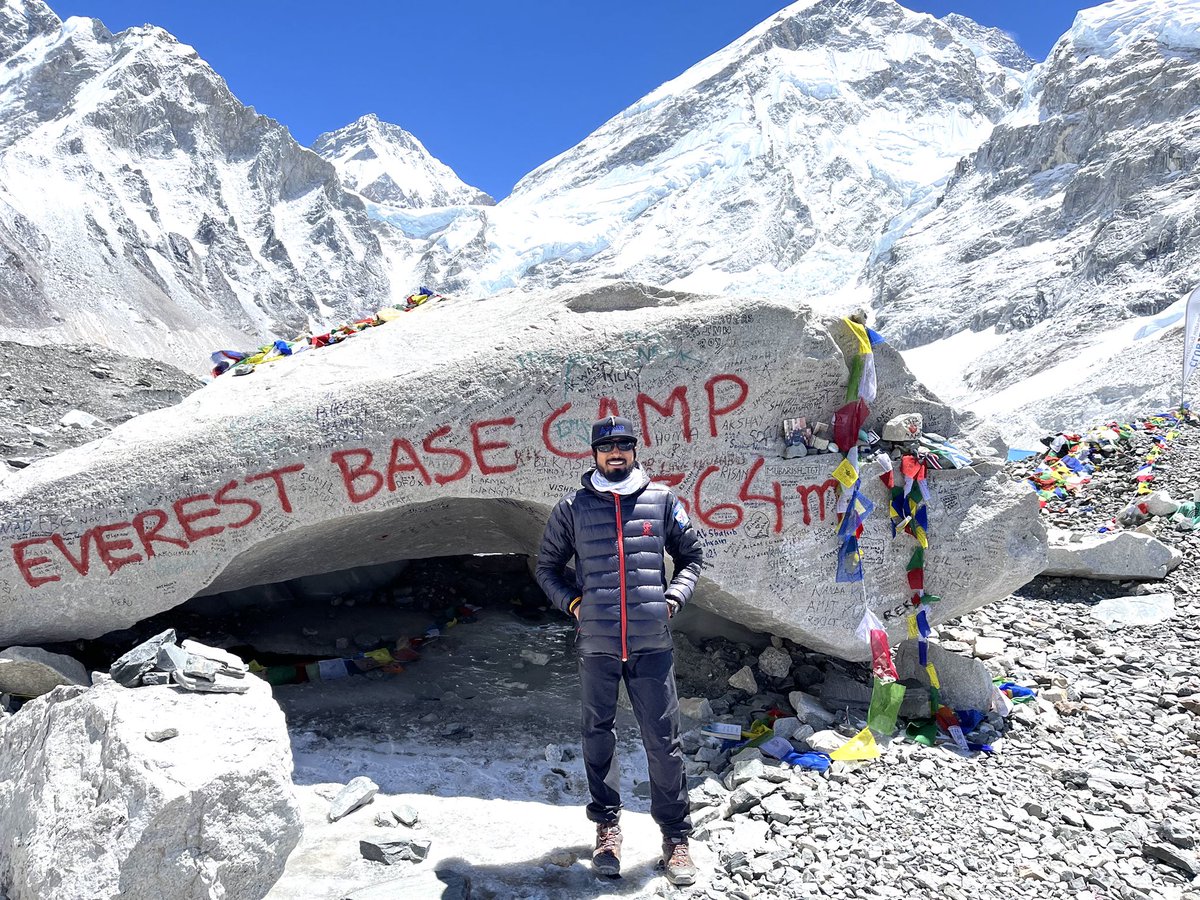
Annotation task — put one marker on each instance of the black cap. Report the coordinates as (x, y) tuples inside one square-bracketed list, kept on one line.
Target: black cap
[(612, 427)]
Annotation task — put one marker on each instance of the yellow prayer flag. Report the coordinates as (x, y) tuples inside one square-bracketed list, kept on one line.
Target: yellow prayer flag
[(912, 628), (861, 746), (860, 332), (933, 679), (846, 474), (382, 655)]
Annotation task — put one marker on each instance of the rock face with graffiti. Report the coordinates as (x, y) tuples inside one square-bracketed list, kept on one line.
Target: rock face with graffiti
[(455, 433)]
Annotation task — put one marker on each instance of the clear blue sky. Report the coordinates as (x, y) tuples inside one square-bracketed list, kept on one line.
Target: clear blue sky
[(493, 89)]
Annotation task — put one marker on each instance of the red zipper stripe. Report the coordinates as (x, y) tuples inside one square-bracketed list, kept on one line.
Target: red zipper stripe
[(621, 566)]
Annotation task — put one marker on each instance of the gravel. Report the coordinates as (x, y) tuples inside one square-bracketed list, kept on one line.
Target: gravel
[(41, 385), (1092, 791)]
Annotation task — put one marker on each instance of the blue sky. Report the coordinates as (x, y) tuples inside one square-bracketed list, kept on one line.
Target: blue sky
[(492, 89)]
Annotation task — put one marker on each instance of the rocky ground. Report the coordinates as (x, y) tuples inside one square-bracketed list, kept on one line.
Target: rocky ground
[(1092, 790), (1090, 793), (41, 385)]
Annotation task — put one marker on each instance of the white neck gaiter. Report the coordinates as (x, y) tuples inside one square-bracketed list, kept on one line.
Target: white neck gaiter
[(632, 483)]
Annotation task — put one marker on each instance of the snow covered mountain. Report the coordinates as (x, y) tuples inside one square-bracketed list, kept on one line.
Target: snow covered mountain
[(1015, 227), (142, 207), (1053, 263), (386, 164), (770, 166)]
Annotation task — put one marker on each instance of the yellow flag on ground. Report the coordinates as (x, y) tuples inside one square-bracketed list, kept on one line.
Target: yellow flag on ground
[(861, 746)]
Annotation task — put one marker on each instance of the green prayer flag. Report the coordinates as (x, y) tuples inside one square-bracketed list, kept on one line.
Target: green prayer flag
[(856, 370), (922, 731), (917, 560), (886, 697)]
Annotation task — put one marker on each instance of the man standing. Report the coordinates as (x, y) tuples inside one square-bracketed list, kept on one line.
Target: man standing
[(617, 527)]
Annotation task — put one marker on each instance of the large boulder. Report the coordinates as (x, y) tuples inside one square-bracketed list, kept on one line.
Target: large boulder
[(1115, 556), (455, 429), (32, 671), (94, 803)]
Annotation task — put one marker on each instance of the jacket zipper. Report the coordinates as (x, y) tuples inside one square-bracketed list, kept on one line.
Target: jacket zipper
[(621, 566)]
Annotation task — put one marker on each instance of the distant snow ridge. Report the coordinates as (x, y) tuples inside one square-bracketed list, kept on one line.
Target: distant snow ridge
[(386, 164), (1107, 30), (147, 210), (773, 164)]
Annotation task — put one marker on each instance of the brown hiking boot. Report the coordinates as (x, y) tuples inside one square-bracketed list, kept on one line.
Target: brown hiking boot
[(678, 861), (606, 858)]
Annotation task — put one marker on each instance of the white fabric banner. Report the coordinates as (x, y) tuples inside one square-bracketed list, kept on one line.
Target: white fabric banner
[(1191, 338)]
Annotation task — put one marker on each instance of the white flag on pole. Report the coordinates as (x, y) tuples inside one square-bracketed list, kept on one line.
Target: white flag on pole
[(1191, 338)]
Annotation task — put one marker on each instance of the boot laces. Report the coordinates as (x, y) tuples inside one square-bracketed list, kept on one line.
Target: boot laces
[(608, 837), (680, 857)]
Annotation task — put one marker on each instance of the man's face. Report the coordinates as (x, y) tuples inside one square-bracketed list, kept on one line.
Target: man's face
[(614, 458)]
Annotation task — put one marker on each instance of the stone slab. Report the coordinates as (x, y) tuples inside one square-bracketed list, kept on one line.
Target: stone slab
[(495, 435), (32, 671), (1110, 557)]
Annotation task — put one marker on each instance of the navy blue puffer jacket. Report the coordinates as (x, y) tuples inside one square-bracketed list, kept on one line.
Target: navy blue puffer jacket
[(620, 572)]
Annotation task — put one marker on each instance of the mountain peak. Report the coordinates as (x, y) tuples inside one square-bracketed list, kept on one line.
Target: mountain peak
[(388, 165)]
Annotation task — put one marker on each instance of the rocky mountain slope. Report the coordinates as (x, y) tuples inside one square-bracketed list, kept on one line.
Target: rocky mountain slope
[(1015, 227), (144, 208), (1068, 238), (39, 386)]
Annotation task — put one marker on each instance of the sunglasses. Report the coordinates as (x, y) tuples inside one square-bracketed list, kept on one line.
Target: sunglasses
[(623, 444)]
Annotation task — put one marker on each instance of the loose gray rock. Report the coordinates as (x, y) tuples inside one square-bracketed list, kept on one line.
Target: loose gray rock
[(989, 647), (171, 659), (775, 663), (162, 734), (825, 741), (743, 679), (231, 663), (1143, 609), (129, 669), (405, 815), (359, 792), (391, 852), (965, 682), (810, 710), (222, 684), (748, 795), (1115, 556), (1179, 859), (198, 667), (32, 671), (696, 708)]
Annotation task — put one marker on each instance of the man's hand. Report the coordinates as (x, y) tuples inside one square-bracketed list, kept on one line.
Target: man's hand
[(672, 607)]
